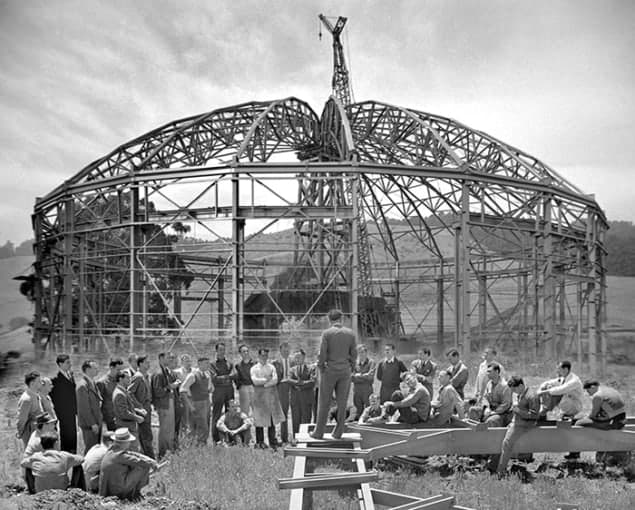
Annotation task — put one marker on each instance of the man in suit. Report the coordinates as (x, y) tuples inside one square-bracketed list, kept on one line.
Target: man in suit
[(302, 384), (338, 353), (283, 368), (29, 407), (389, 373), (458, 372), (363, 377), (425, 369), (141, 389), (65, 402), (89, 416), (128, 414), (106, 385), (163, 394)]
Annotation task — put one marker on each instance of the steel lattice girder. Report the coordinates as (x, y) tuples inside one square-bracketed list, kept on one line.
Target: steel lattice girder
[(417, 176)]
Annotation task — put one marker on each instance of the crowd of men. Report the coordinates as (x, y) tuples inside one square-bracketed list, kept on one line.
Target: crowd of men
[(113, 411)]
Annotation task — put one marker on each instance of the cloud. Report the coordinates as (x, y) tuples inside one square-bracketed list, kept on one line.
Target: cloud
[(78, 78)]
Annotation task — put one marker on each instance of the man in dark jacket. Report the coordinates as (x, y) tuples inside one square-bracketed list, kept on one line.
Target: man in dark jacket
[(389, 372), (89, 416), (303, 383), (128, 414), (526, 412), (222, 374), (338, 353), (163, 393), (141, 390), (106, 385), (65, 402)]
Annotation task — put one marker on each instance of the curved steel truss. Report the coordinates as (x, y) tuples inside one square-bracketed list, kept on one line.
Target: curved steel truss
[(251, 219)]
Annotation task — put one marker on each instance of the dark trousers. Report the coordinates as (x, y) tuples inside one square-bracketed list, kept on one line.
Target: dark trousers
[(615, 423), (385, 392), (220, 400), (361, 392), (145, 437), (242, 437), (68, 434), (180, 420), (284, 394), (301, 407), (90, 438), (336, 379), (406, 414), (136, 478), (271, 434)]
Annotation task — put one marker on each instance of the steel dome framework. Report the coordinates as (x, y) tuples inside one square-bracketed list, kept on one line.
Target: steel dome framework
[(449, 232)]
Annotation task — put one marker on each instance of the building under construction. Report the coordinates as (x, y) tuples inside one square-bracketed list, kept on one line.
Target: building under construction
[(251, 221)]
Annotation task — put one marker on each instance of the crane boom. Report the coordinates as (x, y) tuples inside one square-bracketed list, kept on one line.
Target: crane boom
[(340, 83)]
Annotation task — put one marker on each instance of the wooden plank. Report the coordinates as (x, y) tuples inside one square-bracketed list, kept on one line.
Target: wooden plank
[(539, 439), (367, 497), (328, 481), (433, 503), (390, 499), (328, 439), (325, 453), (296, 500)]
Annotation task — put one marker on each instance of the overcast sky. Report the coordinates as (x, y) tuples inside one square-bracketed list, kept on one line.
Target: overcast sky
[(78, 78)]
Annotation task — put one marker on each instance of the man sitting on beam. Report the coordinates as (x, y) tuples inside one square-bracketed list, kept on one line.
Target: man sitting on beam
[(608, 411), (415, 406)]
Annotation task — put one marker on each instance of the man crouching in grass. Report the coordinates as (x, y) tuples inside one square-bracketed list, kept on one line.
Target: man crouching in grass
[(124, 472), (234, 426)]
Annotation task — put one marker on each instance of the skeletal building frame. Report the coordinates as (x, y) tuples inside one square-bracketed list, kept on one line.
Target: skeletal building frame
[(462, 236)]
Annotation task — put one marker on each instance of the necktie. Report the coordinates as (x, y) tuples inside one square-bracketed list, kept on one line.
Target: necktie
[(286, 369)]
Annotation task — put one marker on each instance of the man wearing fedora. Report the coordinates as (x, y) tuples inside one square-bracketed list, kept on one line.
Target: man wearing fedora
[(124, 472)]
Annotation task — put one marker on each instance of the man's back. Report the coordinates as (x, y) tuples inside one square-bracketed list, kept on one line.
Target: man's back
[(609, 401), (338, 348), (50, 468)]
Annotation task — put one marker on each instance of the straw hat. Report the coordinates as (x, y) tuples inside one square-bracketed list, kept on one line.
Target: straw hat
[(122, 435)]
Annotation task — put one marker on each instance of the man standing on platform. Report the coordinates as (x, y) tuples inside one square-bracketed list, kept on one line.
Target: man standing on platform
[(336, 361), (389, 373), (222, 374), (106, 385), (458, 372), (283, 367), (89, 416), (65, 403), (363, 377), (141, 389)]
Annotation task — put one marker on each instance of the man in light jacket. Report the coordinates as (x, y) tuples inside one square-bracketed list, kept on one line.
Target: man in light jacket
[(29, 407)]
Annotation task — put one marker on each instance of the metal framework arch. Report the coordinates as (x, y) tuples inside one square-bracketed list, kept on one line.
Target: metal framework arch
[(239, 222)]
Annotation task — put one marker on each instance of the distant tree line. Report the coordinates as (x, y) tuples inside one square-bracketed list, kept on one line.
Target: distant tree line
[(9, 250)]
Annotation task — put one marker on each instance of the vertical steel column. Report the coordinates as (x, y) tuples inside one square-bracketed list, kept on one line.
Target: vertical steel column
[(440, 303), (81, 315), (592, 306), (578, 307), (524, 333), (549, 283), (238, 238), (602, 312), (67, 308), (482, 306), (355, 245), (466, 270), (135, 270), (38, 294)]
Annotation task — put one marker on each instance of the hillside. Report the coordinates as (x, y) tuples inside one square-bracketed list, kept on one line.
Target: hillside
[(13, 304)]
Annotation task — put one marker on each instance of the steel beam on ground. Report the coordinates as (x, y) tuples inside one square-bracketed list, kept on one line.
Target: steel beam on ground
[(480, 442)]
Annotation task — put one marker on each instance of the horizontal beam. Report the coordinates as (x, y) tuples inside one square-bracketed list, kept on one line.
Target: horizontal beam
[(481, 442), (257, 211), (328, 481)]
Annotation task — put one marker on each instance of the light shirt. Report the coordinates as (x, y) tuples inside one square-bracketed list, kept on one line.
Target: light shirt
[(572, 393)]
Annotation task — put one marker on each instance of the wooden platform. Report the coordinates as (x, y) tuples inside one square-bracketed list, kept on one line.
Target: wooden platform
[(348, 451)]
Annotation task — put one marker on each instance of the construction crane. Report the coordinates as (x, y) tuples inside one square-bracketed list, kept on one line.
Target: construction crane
[(340, 84)]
